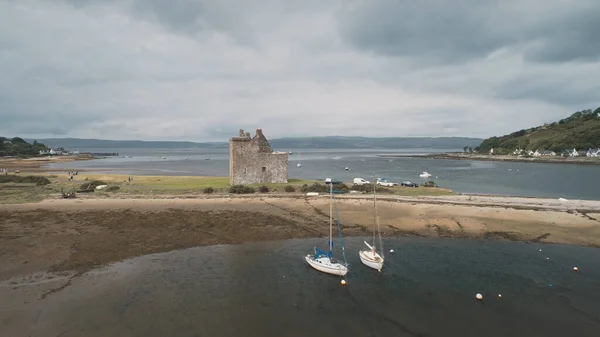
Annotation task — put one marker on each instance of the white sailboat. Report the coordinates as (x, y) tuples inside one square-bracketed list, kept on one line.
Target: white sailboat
[(370, 257), (299, 164), (324, 261)]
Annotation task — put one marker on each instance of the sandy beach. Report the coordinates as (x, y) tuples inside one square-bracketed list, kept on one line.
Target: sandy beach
[(81, 234), (35, 164)]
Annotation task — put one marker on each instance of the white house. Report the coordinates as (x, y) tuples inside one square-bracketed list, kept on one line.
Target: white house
[(548, 153), (573, 153), (593, 153), (538, 153), (518, 152), (491, 151)]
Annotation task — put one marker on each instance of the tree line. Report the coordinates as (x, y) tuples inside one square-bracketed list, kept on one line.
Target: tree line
[(19, 147)]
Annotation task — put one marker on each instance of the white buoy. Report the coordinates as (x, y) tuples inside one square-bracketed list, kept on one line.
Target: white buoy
[(343, 282), (391, 251), (499, 295), (479, 297), (575, 268), (540, 249), (547, 258)]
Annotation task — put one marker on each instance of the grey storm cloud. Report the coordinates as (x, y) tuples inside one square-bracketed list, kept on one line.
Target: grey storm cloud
[(462, 30), (201, 70)]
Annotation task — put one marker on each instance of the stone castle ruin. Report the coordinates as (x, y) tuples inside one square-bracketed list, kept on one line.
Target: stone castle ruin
[(253, 161)]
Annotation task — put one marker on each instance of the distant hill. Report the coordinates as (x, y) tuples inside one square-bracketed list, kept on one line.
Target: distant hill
[(331, 142), (341, 142), (80, 144), (580, 131)]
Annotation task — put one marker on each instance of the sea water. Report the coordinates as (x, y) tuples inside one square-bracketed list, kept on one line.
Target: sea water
[(427, 288), (481, 177)]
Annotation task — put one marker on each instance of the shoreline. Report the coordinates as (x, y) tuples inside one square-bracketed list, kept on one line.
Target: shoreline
[(35, 164), (501, 158), (78, 235)]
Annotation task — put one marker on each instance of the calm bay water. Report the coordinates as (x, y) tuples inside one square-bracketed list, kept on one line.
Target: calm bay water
[(480, 177), (266, 289)]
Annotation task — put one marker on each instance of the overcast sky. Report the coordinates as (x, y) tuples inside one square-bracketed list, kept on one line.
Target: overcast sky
[(200, 70)]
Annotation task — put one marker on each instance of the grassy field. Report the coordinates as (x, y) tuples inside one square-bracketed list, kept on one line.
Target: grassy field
[(160, 185)]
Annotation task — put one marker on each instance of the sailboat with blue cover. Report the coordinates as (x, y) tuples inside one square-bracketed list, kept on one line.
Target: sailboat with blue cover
[(324, 261)]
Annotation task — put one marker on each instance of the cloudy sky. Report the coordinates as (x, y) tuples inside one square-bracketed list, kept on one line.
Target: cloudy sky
[(200, 70)]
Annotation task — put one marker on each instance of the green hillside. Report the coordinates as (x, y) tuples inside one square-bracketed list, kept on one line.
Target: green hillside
[(18, 147), (580, 131)]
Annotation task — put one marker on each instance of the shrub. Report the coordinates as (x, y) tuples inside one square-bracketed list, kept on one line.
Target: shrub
[(368, 188), (316, 187), (38, 180), (92, 185), (324, 188), (112, 188), (209, 190), (241, 189), (340, 187), (263, 189), (430, 183), (289, 188)]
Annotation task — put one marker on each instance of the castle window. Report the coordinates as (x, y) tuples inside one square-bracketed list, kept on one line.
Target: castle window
[(264, 169)]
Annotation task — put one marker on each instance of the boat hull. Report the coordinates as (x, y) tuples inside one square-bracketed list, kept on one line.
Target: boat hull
[(370, 260), (325, 265)]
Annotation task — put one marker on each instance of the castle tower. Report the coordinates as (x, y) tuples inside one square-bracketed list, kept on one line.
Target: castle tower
[(253, 161)]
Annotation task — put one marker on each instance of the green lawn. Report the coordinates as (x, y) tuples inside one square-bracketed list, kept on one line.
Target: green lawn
[(18, 193)]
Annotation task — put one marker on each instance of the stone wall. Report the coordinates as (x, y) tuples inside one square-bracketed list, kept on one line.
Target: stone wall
[(252, 161)]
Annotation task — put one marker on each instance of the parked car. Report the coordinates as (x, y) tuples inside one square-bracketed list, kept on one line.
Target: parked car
[(333, 181), (361, 181), (385, 182), (409, 183)]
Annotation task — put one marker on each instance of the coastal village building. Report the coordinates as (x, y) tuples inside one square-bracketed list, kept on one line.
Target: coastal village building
[(593, 153), (538, 153), (253, 161)]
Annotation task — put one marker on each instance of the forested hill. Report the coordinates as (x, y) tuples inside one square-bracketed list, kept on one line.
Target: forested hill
[(580, 131), (329, 142), (19, 147)]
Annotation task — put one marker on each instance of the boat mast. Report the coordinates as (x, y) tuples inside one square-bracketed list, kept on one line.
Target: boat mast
[(331, 216), (377, 223), (374, 207)]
